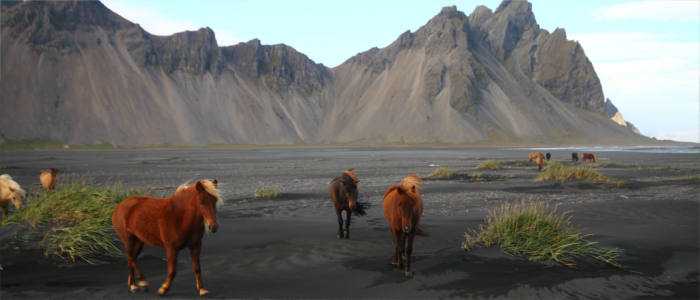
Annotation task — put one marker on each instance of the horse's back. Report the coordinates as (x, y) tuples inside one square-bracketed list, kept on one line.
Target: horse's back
[(138, 215)]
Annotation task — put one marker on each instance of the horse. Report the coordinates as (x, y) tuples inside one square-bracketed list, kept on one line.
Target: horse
[(548, 155), (48, 179), (343, 193), (10, 191), (574, 156), (403, 208), (540, 162), (588, 156), (532, 156), (172, 223)]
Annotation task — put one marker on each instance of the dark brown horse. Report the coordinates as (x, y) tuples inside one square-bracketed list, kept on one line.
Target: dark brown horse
[(403, 208), (588, 156), (574, 156), (343, 192), (172, 223)]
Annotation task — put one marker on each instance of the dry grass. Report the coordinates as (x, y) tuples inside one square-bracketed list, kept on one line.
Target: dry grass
[(489, 165), (266, 193), (74, 221), (442, 173), (558, 172), (537, 231)]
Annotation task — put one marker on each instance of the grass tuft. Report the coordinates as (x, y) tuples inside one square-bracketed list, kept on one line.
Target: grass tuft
[(477, 177), (74, 221), (688, 178), (490, 165), (562, 173), (266, 193), (536, 231), (442, 173)]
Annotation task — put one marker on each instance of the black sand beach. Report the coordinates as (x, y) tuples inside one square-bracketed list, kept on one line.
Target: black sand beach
[(286, 247)]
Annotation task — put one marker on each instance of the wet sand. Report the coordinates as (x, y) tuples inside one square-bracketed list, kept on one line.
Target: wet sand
[(286, 247)]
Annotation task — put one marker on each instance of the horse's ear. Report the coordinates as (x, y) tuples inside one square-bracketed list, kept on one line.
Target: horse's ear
[(413, 188), (12, 189), (215, 182), (200, 187)]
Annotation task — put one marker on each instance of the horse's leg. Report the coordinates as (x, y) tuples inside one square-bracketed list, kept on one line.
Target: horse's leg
[(194, 253), (340, 223), (397, 260), (4, 210), (348, 212), (138, 246), (172, 269), (402, 249), (409, 251), (129, 247)]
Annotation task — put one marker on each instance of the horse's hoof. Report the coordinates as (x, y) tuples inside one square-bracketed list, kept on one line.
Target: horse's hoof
[(203, 292), (143, 283), (133, 288), (339, 236), (162, 290), (408, 274)]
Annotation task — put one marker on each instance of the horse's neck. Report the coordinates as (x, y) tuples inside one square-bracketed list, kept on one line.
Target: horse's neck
[(185, 205)]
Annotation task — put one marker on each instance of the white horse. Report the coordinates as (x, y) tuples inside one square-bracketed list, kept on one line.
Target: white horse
[(10, 191)]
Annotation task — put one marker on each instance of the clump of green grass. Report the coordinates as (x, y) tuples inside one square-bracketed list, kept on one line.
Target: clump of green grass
[(74, 221), (442, 173), (562, 173), (490, 165), (266, 193), (536, 231)]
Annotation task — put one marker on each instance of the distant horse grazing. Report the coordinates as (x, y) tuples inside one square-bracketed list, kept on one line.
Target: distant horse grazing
[(10, 191), (588, 156), (48, 179), (172, 223), (574, 156), (403, 208), (532, 156), (548, 156), (343, 192)]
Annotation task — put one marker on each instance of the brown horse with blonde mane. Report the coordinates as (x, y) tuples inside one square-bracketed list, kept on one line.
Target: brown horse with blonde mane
[(343, 192), (403, 207), (172, 223), (588, 156)]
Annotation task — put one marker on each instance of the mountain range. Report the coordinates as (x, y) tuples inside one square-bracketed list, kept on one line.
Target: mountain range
[(78, 73)]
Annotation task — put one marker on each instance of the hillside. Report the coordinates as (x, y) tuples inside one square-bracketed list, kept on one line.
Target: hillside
[(76, 72)]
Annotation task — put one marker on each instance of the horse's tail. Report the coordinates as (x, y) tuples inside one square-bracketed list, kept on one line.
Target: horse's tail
[(421, 232), (412, 183)]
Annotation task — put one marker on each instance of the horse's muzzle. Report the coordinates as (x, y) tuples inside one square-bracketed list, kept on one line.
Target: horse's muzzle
[(212, 229)]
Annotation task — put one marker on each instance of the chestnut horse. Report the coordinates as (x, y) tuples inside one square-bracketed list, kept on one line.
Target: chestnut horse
[(588, 156), (48, 179), (343, 192), (403, 208), (540, 162), (574, 156), (172, 223), (10, 191)]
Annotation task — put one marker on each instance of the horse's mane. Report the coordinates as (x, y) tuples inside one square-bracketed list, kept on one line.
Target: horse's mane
[(212, 190), (12, 184), (352, 176), (209, 187)]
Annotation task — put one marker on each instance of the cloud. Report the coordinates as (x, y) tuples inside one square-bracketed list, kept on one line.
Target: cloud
[(156, 23), (681, 136), (652, 79), (634, 45), (667, 10)]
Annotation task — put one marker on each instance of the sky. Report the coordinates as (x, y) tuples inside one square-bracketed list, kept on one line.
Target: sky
[(645, 52)]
